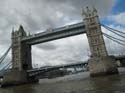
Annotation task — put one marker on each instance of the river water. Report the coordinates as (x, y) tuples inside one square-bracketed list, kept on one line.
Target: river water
[(77, 83)]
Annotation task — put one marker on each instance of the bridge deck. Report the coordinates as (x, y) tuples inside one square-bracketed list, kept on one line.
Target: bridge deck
[(56, 33), (34, 72)]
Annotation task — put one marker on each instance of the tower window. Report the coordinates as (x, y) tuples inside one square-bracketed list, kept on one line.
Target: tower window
[(91, 20)]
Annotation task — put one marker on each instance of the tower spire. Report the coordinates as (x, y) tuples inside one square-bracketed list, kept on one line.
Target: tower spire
[(94, 11), (83, 12), (21, 28), (22, 31), (12, 29), (88, 10)]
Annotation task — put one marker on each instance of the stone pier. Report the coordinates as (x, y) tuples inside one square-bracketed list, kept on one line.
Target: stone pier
[(16, 77), (102, 66)]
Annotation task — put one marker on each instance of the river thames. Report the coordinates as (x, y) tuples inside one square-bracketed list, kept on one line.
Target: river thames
[(77, 83)]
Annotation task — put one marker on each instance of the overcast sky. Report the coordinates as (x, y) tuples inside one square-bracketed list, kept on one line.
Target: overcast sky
[(38, 15)]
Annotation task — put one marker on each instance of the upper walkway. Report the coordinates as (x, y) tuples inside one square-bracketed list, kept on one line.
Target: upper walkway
[(57, 33)]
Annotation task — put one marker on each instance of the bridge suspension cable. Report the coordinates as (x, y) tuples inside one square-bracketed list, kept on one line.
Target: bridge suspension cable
[(5, 54), (7, 66), (114, 39), (113, 29), (117, 32)]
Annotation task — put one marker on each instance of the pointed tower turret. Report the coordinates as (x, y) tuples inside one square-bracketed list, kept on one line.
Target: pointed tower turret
[(94, 11), (84, 12), (22, 31)]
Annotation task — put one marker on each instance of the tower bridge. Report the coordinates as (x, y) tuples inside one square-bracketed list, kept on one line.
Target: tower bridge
[(100, 62)]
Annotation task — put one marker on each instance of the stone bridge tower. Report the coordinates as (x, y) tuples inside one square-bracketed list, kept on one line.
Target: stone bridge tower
[(21, 60), (94, 33), (100, 62), (21, 52)]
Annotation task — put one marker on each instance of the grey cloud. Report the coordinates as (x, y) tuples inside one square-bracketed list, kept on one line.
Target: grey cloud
[(36, 14), (47, 46)]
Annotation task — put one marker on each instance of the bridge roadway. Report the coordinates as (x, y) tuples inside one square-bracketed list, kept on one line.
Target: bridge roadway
[(120, 57), (37, 71), (56, 33), (34, 72)]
